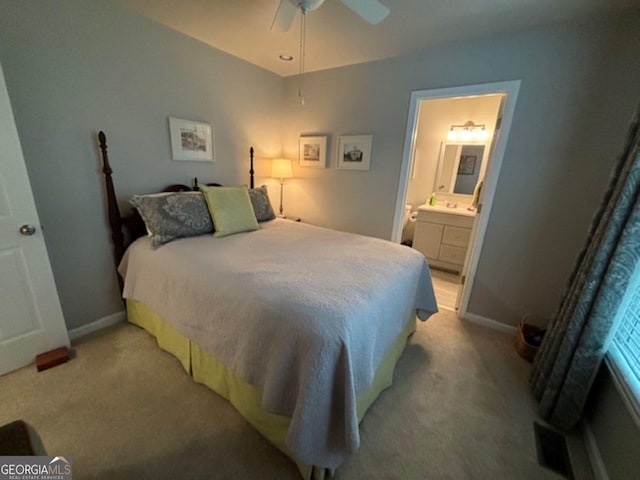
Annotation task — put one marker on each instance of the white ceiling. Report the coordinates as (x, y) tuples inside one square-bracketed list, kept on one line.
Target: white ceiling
[(336, 36)]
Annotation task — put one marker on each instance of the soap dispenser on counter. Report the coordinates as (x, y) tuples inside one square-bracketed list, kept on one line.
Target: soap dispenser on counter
[(432, 200)]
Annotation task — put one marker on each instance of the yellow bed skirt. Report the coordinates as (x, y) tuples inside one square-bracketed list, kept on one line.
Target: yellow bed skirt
[(205, 369)]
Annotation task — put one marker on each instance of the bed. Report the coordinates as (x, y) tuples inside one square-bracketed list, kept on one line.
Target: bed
[(299, 327)]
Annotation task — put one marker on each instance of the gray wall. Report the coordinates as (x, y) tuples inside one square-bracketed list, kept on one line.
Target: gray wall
[(616, 433), (75, 67), (579, 90)]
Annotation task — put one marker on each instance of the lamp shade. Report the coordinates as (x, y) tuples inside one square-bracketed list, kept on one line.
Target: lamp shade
[(281, 168)]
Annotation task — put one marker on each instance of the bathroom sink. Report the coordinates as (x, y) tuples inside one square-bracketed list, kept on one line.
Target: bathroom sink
[(444, 209)]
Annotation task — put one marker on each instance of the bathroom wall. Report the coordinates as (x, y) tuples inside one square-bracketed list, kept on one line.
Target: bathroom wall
[(434, 121), (435, 118)]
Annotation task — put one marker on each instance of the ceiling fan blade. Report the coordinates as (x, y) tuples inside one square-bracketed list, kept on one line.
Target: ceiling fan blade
[(370, 10), (284, 16)]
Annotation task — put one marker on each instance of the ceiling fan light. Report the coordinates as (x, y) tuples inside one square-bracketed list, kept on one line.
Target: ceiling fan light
[(308, 5)]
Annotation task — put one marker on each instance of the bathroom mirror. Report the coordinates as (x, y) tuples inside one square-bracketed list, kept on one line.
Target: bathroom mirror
[(460, 167)]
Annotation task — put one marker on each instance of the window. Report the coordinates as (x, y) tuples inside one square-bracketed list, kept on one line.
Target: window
[(624, 350)]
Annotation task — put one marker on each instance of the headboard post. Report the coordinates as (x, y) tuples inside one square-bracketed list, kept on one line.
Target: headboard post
[(251, 169), (115, 220)]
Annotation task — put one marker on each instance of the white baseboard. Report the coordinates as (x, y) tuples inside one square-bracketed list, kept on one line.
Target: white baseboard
[(99, 324), (597, 464), (490, 323)]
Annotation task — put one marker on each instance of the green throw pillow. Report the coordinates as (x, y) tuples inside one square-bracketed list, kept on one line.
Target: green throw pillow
[(231, 210)]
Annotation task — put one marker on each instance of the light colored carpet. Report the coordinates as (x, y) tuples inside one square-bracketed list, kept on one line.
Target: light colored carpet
[(460, 408)]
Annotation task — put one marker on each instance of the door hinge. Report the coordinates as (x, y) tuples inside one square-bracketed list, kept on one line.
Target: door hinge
[(479, 209), (462, 279)]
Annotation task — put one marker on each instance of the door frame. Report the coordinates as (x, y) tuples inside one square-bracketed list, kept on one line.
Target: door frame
[(511, 89)]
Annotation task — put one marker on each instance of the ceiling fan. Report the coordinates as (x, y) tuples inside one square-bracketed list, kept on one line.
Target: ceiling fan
[(371, 11)]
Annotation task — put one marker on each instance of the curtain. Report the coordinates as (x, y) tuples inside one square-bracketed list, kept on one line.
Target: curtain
[(576, 338)]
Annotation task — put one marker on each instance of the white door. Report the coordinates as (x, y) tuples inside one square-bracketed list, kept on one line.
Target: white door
[(31, 320)]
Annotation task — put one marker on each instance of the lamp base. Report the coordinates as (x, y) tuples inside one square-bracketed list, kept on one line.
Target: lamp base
[(281, 190)]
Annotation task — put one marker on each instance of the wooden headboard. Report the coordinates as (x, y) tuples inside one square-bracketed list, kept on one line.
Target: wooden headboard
[(125, 229)]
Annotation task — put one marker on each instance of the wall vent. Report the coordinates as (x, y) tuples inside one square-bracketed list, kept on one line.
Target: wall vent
[(552, 450)]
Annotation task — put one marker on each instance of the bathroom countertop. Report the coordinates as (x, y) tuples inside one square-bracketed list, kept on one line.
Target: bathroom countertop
[(443, 209)]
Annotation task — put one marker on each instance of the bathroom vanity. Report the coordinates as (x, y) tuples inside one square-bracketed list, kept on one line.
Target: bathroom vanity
[(442, 234)]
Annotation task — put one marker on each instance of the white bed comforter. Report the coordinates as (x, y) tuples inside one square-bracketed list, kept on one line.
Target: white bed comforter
[(304, 313)]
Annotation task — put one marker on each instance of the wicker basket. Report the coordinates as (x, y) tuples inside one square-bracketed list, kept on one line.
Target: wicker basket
[(525, 349)]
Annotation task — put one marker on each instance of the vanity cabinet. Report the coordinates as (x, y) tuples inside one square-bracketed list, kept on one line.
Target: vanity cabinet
[(443, 238)]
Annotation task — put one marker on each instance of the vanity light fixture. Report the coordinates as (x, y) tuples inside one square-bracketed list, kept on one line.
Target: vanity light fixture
[(468, 132)]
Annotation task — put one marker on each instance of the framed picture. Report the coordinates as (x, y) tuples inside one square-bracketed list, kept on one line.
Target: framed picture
[(312, 152), (354, 152), (191, 141), (467, 165)]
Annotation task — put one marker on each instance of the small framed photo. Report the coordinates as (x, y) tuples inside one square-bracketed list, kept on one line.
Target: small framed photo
[(354, 152), (312, 152), (191, 141), (467, 165)]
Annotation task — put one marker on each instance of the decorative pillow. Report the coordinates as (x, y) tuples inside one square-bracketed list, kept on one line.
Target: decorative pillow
[(261, 204), (231, 209), (168, 216)]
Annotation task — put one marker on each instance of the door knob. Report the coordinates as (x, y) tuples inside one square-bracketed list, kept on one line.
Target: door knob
[(27, 230)]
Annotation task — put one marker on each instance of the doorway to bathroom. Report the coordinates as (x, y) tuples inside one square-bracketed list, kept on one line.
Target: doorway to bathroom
[(453, 151)]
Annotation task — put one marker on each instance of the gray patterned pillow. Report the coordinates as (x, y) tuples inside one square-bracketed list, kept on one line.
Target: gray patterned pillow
[(168, 216), (261, 205)]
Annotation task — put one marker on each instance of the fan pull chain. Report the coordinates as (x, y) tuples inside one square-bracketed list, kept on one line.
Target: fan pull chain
[(303, 39)]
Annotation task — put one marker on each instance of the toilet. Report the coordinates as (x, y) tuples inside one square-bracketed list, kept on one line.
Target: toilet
[(407, 227), (407, 213)]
